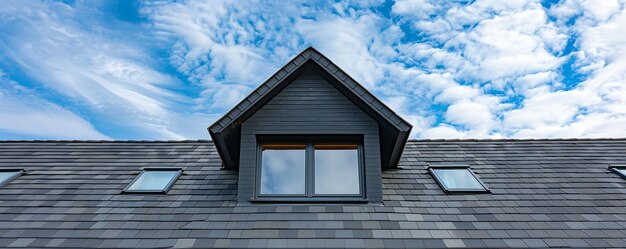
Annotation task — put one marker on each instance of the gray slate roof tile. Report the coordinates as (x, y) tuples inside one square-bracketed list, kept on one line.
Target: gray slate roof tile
[(545, 193)]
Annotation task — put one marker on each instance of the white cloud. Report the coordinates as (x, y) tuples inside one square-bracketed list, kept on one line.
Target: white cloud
[(442, 131), (457, 92), (105, 71), (516, 50), (510, 45), (470, 114), (345, 41), (486, 68), (226, 47), (421, 9), (549, 108), (25, 114)]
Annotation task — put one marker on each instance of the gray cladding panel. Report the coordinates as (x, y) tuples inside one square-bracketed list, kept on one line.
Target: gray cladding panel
[(545, 193), (309, 105)]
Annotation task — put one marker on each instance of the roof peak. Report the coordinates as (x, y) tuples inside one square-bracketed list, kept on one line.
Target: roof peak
[(396, 129)]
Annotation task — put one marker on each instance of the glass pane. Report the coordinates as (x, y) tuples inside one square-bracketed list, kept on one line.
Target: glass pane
[(337, 170), (622, 171), (6, 175), (282, 170), (457, 179), (155, 180)]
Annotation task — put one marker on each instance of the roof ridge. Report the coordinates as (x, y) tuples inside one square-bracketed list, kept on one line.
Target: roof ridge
[(515, 139), (104, 141), (410, 140)]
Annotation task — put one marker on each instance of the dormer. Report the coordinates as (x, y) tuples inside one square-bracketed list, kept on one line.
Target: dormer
[(310, 133)]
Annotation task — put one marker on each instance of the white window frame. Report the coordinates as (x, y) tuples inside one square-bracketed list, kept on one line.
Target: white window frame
[(150, 191), (443, 186)]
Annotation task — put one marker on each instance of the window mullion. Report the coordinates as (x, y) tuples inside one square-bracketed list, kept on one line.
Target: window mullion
[(309, 169)]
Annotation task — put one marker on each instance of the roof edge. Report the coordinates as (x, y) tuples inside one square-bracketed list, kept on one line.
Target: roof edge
[(217, 121), (516, 139), (409, 140), (108, 141)]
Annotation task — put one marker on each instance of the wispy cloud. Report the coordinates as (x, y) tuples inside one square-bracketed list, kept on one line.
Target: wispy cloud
[(99, 67), (25, 115), (453, 69)]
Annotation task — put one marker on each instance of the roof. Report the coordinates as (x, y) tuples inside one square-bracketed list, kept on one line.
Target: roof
[(544, 193), (225, 131)]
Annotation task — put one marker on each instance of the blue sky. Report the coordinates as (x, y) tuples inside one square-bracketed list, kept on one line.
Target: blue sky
[(168, 69)]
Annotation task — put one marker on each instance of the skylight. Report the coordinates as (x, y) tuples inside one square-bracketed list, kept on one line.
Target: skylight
[(7, 175), (457, 179), (154, 180), (620, 170)]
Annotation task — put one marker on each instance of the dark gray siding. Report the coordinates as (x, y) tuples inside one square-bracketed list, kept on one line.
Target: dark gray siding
[(309, 105)]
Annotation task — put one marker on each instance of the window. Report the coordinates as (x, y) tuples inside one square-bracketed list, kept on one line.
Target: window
[(336, 169), (321, 170), (283, 169), (6, 175), (620, 170), (457, 179), (154, 180)]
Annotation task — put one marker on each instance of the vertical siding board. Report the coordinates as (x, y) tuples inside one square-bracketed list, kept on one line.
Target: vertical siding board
[(310, 105)]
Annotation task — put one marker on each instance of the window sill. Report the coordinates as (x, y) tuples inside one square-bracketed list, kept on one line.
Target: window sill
[(321, 200)]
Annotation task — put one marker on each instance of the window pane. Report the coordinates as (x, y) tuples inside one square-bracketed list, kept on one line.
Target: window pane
[(457, 179), (156, 180), (5, 175), (337, 169), (622, 171), (282, 170)]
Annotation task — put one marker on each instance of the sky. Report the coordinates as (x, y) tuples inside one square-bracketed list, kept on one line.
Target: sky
[(168, 69)]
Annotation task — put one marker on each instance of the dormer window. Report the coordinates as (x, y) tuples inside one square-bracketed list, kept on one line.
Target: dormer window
[(310, 133), (309, 168)]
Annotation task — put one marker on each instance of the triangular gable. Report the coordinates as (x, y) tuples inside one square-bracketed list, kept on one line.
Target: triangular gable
[(225, 131)]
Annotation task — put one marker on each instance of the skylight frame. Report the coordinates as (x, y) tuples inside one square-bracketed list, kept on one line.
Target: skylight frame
[(616, 168), (443, 186), (19, 172), (169, 185)]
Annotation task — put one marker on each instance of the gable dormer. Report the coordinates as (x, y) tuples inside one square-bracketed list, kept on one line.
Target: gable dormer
[(310, 133)]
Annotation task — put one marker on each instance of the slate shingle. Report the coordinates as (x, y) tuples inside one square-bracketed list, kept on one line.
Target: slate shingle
[(545, 193)]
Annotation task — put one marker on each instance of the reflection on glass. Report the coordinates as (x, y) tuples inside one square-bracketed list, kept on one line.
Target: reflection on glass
[(153, 180), (336, 169), (6, 175), (283, 169), (457, 179), (622, 171)]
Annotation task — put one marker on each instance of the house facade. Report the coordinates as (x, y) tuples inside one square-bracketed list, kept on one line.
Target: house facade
[(311, 159)]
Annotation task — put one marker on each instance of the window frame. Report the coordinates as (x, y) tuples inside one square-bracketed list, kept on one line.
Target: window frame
[(19, 172), (431, 170), (167, 188), (615, 170), (309, 141)]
